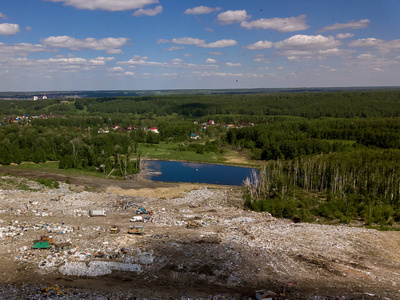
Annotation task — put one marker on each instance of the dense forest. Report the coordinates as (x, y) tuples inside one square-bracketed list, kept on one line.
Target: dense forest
[(330, 155)]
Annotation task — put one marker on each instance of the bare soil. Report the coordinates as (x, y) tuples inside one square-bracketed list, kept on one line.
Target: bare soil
[(199, 242)]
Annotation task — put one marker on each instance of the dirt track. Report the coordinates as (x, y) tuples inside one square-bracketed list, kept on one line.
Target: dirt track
[(228, 251)]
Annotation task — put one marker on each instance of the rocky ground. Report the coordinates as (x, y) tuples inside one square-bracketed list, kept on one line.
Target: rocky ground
[(199, 243)]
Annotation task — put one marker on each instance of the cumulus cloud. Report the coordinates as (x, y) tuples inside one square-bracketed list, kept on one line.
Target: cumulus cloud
[(262, 60), (349, 25), (308, 42), (187, 41), (377, 44), (148, 12), (211, 61), (18, 50), (344, 35), (219, 44), (202, 43), (278, 24), (201, 10), (310, 47), (260, 45), (169, 74), (108, 5), (230, 64), (174, 48), (72, 43), (8, 29), (174, 63), (116, 69), (218, 74), (233, 16)]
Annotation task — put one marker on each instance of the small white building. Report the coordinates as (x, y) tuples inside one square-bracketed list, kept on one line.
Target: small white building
[(35, 98)]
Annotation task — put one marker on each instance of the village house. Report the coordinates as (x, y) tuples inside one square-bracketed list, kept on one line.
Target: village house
[(154, 130), (195, 136)]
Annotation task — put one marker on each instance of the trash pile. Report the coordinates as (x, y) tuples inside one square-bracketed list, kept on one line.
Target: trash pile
[(202, 238)]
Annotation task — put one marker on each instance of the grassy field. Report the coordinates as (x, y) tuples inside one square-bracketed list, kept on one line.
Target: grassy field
[(168, 151), (52, 167)]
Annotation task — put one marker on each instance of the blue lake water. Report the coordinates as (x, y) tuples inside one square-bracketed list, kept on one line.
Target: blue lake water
[(175, 171)]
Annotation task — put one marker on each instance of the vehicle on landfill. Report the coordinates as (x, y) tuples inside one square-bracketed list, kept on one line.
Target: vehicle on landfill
[(47, 238), (136, 229), (114, 229), (41, 244), (137, 219), (97, 213), (141, 210)]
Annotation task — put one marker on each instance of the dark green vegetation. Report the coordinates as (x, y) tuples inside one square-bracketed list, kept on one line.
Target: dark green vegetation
[(328, 155)]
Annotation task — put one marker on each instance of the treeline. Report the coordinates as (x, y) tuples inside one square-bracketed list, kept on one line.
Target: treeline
[(362, 185), (297, 137), (72, 148), (309, 105)]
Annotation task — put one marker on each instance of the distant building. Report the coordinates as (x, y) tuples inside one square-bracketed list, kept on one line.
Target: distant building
[(154, 129), (44, 97), (194, 136), (35, 98)]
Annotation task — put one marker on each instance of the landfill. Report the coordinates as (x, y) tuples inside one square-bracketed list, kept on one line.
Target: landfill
[(201, 245)]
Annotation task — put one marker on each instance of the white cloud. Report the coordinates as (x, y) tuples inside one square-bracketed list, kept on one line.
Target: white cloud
[(365, 56), (278, 24), (202, 43), (219, 44), (392, 45), (211, 61), (18, 50), (209, 29), (187, 41), (349, 25), (71, 43), (344, 35), (262, 60), (174, 63), (129, 73), (8, 29), (200, 10), (109, 5), (260, 45), (148, 12), (173, 48), (169, 74), (230, 64), (218, 74), (115, 51), (188, 55), (280, 68), (116, 69), (163, 41), (3, 16), (308, 42), (233, 16)]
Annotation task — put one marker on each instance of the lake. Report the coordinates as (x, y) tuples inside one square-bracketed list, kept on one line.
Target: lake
[(175, 171)]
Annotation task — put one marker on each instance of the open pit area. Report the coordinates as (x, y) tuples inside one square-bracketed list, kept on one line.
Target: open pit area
[(198, 243)]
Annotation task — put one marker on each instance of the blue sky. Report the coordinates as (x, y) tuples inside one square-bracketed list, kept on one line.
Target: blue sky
[(48, 45)]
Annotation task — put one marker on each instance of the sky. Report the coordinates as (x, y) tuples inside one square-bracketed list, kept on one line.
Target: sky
[(65, 45)]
